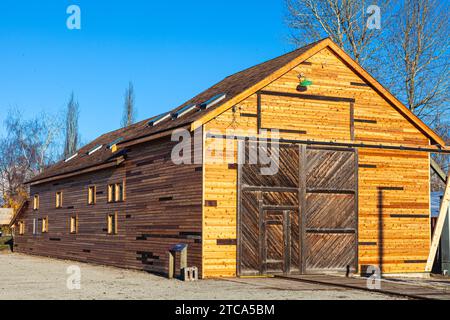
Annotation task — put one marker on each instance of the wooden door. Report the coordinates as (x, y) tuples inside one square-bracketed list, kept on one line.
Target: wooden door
[(301, 219), (277, 242), (330, 211), (268, 227)]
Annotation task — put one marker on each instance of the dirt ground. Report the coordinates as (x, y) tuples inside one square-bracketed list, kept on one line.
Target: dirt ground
[(28, 277)]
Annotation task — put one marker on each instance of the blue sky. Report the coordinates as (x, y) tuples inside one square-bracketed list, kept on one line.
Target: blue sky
[(170, 50)]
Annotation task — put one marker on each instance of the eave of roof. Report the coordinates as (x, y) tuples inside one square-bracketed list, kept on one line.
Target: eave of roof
[(18, 212), (108, 164)]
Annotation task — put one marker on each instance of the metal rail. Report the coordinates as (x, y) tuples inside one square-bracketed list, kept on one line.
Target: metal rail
[(355, 287), (332, 143)]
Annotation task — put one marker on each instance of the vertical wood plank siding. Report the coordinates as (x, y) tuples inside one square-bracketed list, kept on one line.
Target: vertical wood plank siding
[(377, 121), (147, 227)]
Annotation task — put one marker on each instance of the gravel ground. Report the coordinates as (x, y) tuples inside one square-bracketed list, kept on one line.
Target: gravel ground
[(28, 277)]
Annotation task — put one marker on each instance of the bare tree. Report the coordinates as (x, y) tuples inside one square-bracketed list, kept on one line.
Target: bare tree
[(14, 170), (129, 112), (72, 135), (442, 127), (410, 54), (344, 21), (28, 147), (419, 57)]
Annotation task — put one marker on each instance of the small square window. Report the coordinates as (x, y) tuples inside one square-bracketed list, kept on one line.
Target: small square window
[(92, 196), (112, 223), (73, 224), (36, 202), (45, 225), (59, 199)]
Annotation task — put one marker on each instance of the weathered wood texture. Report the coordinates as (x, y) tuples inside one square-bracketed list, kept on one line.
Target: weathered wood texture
[(330, 214), (158, 212), (269, 216), (405, 241), (301, 219)]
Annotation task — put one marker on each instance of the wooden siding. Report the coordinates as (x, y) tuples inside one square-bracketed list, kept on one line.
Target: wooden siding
[(394, 195), (159, 211), (331, 77), (280, 113), (219, 221), (375, 120)]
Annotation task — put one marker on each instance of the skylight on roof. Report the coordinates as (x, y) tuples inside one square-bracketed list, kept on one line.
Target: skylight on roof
[(96, 148), (184, 110), (159, 119), (114, 142), (213, 101), (71, 157)]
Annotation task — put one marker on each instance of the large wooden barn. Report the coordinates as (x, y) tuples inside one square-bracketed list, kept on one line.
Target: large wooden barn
[(352, 188)]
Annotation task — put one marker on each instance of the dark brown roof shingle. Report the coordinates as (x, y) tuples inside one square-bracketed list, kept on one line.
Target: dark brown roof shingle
[(231, 86)]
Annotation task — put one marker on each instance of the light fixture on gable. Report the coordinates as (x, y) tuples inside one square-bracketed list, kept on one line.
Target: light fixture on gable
[(304, 83)]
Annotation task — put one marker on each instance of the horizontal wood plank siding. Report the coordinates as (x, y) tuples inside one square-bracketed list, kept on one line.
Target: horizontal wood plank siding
[(403, 212), (159, 212), (377, 121), (219, 223)]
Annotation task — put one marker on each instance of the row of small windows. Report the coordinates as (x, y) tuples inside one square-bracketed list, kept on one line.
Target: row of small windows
[(116, 193), (44, 229), (73, 225)]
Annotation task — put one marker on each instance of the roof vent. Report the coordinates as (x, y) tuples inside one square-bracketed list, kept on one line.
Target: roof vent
[(114, 142), (184, 110), (71, 157), (159, 119), (213, 101), (96, 148)]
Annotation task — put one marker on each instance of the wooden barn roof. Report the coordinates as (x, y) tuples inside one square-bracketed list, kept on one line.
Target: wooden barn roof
[(237, 87)]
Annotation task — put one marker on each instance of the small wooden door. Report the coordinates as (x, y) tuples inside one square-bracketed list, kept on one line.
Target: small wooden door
[(277, 242)]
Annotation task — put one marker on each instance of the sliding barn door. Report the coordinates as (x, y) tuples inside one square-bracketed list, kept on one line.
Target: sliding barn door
[(301, 219), (330, 239), (268, 215)]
